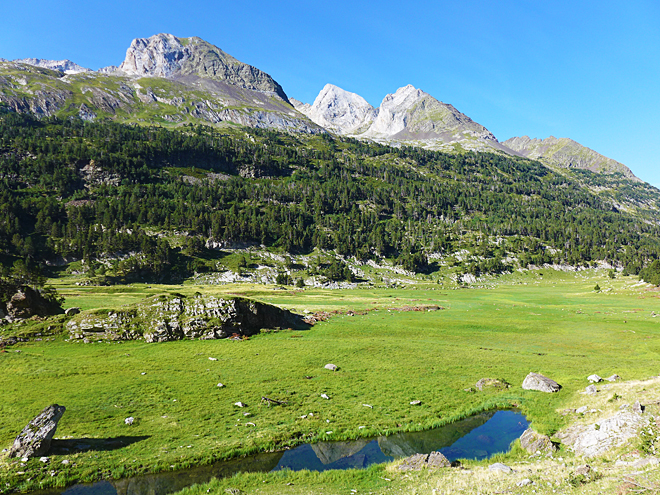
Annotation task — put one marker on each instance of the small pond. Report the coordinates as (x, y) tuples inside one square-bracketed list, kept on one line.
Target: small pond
[(476, 437)]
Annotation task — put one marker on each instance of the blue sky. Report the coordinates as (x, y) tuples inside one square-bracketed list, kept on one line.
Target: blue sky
[(585, 70)]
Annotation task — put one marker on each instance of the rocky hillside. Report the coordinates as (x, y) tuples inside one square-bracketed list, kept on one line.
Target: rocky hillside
[(566, 153), (409, 116), (162, 80)]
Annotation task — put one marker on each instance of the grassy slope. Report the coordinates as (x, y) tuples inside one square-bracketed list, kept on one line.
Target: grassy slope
[(557, 326)]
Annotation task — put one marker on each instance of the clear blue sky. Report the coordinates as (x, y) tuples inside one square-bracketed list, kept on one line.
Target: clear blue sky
[(581, 69)]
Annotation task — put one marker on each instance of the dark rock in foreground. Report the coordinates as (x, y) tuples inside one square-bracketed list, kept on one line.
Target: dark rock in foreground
[(534, 381), (27, 302), (35, 439)]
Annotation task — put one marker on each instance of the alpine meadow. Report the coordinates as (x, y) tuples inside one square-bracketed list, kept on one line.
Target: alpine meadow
[(207, 286)]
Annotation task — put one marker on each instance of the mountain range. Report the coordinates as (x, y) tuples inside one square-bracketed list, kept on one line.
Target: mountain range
[(171, 81)]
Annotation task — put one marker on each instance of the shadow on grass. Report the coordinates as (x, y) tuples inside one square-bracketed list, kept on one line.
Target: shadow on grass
[(72, 445)]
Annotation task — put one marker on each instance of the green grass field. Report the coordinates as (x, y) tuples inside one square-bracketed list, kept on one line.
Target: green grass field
[(555, 325)]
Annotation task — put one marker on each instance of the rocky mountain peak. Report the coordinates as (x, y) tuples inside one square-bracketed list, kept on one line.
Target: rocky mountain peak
[(165, 55), (66, 66), (339, 110)]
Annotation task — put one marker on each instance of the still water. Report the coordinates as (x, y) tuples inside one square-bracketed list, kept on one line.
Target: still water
[(476, 437)]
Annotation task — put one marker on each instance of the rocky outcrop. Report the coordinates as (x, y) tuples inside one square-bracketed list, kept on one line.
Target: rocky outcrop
[(594, 439), (534, 381), (566, 153), (166, 318), (27, 302), (165, 55), (534, 442), (36, 437)]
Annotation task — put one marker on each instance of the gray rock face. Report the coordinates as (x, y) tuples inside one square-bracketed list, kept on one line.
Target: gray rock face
[(535, 381), (35, 439), (339, 111), (534, 442), (165, 55)]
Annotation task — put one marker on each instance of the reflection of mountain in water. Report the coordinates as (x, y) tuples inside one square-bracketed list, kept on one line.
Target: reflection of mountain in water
[(424, 442), (329, 452), (164, 483)]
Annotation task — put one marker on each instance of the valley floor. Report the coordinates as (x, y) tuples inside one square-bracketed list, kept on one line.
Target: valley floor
[(392, 346)]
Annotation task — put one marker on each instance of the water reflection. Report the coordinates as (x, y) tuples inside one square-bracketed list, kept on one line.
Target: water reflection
[(476, 437)]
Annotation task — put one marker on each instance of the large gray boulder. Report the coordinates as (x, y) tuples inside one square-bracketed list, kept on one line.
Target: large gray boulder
[(418, 461), (534, 381), (34, 440)]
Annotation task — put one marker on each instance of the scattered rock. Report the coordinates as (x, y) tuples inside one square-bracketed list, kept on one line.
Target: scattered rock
[(130, 420), (591, 390), (415, 402), (324, 396), (240, 404), (44, 459), (72, 311), (247, 414), (35, 439), (221, 385), (368, 405), (498, 466), (525, 482), (534, 442), (492, 383), (331, 367), (594, 378), (66, 462), (418, 461), (638, 408), (535, 381), (581, 410), (613, 378), (213, 359)]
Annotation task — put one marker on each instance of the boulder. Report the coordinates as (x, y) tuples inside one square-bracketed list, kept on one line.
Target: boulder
[(535, 381), (72, 311), (498, 466), (638, 408), (331, 367), (35, 439), (534, 442), (613, 378), (27, 302), (491, 383), (418, 461), (594, 378), (591, 390)]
